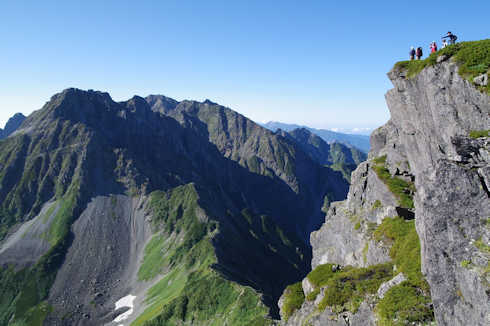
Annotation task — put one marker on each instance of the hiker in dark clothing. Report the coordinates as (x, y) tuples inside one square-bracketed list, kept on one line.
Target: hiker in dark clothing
[(451, 36), (412, 53), (419, 53)]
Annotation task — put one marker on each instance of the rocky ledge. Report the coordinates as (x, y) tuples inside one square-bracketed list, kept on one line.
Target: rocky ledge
[(428, 171)]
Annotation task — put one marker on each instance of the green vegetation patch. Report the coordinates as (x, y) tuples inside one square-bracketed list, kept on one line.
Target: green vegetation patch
[(465, 263), (405, 249), (60, 225), (473, 59), (479, 133), (404, 304), (482, 246), (402, 189), (320, 275), (409, 301), (347, 289), (376, 205), (23, 291), (190, 291), (293, 299)]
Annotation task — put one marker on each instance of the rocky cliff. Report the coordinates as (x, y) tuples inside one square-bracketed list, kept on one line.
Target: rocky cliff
[(410, 245)]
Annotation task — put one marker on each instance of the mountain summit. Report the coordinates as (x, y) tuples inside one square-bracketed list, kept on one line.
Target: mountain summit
[(152, 211), (12, 124)]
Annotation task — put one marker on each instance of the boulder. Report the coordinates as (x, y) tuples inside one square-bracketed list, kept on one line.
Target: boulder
[(383, 288), (481, 80)]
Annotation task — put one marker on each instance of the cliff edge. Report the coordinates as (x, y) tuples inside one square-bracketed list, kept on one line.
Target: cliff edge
[(428, 171)]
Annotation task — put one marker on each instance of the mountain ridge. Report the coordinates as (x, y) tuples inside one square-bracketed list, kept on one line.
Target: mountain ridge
[(359, 141), (12, 124), (85, 176)]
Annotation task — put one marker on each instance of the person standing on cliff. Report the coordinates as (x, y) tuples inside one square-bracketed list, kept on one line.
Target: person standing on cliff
[(452, 38), (444, 44), (412, 53), (433, 47), (419, 53)]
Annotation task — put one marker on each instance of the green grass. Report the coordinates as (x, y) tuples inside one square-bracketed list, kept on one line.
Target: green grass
[(24, 291), (347, 289), (191, 291), (49, 212), (320, 275), (482, 246), (364, 252), (409, 301), (473, 59), (357, 226), (402, 189), (377, 204), (465, 263), (293, 299), (404, 304), (479, 133), (58, 228), (405, 249), (153, 263)]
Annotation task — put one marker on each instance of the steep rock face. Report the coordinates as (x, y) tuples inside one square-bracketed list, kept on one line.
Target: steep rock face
[(435, 113), (425, 144), (347, 236)]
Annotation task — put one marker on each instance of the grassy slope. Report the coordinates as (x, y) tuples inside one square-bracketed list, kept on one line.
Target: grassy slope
[(191, 290), (409, 301), (27, 180), (25, 290), (346, 289), (402, 189), (473, 59)]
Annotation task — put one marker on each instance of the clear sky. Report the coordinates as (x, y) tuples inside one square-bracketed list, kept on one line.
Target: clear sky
[(319, 63)]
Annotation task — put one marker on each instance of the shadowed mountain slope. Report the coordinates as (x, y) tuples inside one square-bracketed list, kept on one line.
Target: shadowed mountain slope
[(104, 200)]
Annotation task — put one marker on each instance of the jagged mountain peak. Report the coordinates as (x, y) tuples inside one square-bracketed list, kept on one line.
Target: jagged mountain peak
[(12, 125), (161, 103)]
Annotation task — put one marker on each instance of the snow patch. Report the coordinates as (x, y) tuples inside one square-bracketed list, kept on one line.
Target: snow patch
[(126, 301)]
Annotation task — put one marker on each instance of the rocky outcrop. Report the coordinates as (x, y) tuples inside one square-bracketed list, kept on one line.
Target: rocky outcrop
[(426, 146), (346, 238), (435, 113)]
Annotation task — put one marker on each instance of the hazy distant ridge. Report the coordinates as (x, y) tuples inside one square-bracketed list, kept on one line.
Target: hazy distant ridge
[(359, 141)]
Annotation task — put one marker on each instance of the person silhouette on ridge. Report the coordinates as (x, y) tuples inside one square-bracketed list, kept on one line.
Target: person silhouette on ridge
[(419, 53), (451, 36), (412, 53)]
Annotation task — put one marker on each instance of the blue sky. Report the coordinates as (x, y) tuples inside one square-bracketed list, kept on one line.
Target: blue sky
[(319, 63)]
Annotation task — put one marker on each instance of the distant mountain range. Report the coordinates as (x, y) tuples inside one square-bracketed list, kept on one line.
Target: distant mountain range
[(12, 125), (200, 214), (359, 141), (335, 155)]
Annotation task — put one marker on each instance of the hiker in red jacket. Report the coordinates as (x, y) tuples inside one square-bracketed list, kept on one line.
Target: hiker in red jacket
[(433, 47)]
